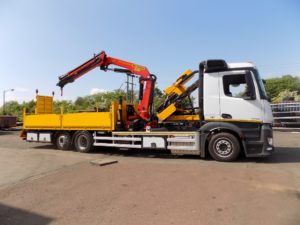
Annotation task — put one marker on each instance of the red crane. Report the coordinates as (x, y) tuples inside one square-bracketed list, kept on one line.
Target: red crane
[(147, 80)]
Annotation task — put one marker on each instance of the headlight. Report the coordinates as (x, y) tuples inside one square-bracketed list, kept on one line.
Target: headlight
[(270, 141)]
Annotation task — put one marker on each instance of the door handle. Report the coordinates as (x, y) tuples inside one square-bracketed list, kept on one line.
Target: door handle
[(226, 116)]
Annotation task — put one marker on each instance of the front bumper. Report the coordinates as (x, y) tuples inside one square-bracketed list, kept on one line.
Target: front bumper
[(263, 146)]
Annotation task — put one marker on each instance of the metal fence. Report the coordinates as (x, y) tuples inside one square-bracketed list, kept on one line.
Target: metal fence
[(286, 114)]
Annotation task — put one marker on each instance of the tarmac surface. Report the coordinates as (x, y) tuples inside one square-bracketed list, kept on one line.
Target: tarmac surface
[(41, 185)]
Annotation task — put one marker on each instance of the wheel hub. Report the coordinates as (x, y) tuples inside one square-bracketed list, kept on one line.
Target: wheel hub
[(223, 147), (62, 140), (82, 142)]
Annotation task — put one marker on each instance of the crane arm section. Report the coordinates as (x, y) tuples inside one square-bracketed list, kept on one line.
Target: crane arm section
[(147, 80)]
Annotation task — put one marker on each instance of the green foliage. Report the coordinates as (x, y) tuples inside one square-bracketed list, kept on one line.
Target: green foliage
[(16, 109), (104, 99), (90, 102), (100, 100), (274, 86), (13, 108), (286, 95), (159, 98), (67, 105)]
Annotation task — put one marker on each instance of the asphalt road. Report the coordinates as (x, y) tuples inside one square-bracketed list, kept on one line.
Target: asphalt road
[(40, 185)]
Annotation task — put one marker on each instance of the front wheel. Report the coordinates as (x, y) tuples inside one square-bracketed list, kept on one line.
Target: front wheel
[(83, 141), (224, 147)]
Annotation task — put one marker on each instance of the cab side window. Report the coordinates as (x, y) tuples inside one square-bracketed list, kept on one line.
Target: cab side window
[(235, 86)]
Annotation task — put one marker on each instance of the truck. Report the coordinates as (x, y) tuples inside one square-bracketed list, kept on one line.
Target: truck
[(219, 110)]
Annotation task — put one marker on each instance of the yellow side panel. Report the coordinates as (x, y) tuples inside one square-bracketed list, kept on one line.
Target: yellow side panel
[(44, 104), (166, 112), (114, 114), (73, 121), (44, 121), (124, 107), (87, 121), (184, 118)]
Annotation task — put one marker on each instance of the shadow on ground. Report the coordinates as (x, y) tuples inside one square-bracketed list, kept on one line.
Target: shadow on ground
[(9, 131), (143, 153), (47, 147), (285, 155), (281, 154), (14, 216), (6, 132)]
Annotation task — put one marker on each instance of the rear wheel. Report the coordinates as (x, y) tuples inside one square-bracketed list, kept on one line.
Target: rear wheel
[(83, 141), (224, 147), (63, 140)]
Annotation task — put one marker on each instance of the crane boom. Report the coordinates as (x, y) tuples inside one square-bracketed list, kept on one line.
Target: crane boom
[(147, 80)]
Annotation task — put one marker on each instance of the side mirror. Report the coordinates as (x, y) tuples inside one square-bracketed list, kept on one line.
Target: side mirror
[(264, 81), (251, 95)]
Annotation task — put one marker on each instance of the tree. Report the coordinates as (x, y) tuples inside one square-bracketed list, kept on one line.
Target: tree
[(159, 98), (90, 102), (276, 85), (68, 106), (16, 109), (103, 100), (286, 95), (13, 108)]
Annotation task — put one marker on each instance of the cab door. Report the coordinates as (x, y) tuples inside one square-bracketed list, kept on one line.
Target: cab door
[(211, 95), (239, 97)]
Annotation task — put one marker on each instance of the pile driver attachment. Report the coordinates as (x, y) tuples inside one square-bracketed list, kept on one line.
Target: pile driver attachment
[(176, 93)]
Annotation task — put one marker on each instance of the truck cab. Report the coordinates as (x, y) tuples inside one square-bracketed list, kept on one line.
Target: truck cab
[(236, 93), (235, 100), (232, 112)]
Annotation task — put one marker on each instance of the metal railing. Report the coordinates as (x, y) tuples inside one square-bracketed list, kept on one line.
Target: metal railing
[(286, 114)]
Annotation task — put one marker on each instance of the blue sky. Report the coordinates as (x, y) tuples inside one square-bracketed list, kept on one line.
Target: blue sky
[(40, 40)]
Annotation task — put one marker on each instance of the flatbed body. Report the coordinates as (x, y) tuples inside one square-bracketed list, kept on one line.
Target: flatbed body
[(96, 121)]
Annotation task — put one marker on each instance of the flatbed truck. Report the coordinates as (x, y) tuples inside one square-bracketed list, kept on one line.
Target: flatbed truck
[(233, 116)]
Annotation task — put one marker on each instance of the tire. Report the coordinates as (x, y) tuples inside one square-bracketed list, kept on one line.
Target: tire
[(224, 147), (83, 141), (63, 140)]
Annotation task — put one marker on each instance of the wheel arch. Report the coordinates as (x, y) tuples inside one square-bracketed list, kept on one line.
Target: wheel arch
[(211, 128)]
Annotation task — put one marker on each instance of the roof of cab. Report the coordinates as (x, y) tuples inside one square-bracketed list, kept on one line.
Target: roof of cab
[(216, 65), (240, 65)]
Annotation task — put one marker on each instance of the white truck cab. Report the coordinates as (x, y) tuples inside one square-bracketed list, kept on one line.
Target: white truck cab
[(235, 101), (237, 93)]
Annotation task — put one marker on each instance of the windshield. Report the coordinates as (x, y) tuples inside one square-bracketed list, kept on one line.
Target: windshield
[(260, 84)]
